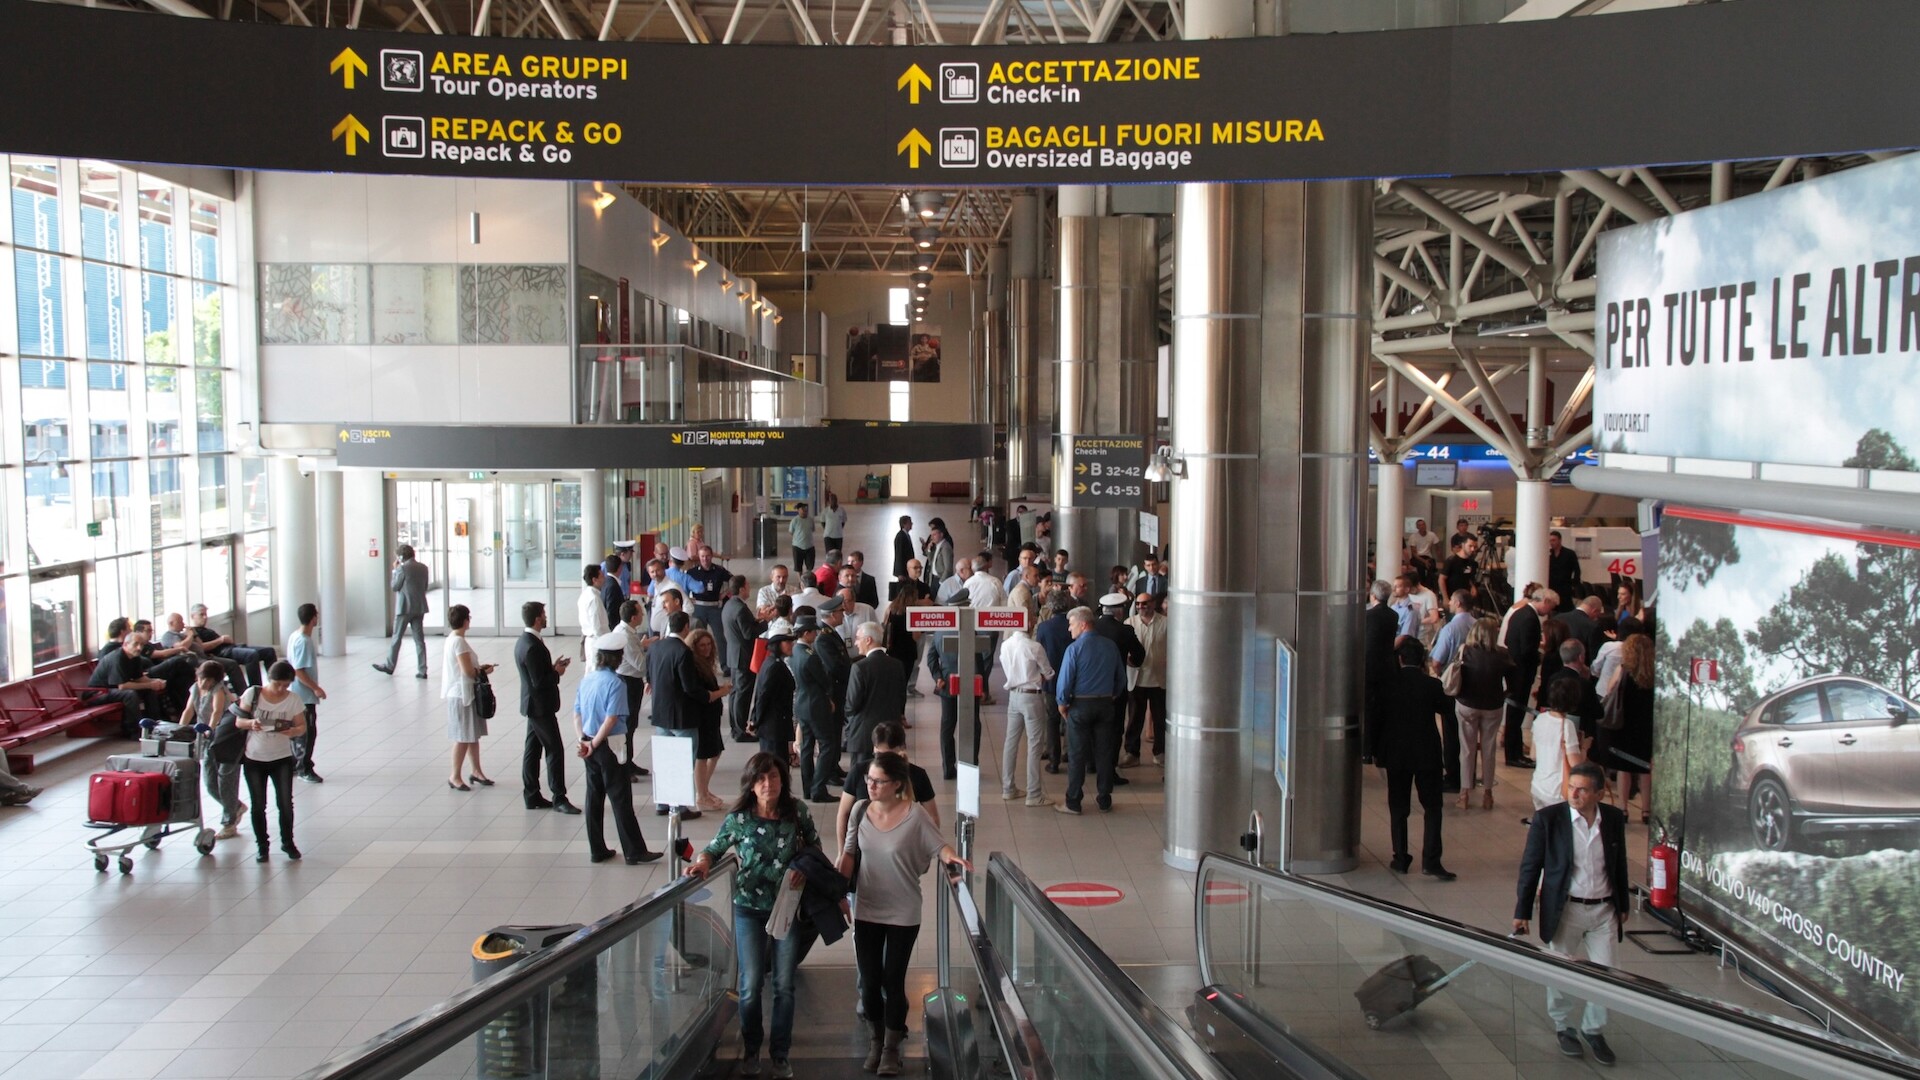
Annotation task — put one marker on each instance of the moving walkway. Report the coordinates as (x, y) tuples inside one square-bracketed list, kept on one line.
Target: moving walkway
[(1296, 980)]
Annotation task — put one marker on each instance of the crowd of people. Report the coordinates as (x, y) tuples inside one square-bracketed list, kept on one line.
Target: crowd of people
[(1456, 687)]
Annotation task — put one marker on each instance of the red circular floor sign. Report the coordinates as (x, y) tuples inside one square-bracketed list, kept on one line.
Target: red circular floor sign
[(1226, 892), (1083, 894)]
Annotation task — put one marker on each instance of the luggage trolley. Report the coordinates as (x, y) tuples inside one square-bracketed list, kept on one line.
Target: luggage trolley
[(115, 798)]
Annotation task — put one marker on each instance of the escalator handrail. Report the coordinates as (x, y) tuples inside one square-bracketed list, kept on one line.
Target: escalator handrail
[(1021, 1047), (1769, 1040), (1134, 1015), (407, 1046)]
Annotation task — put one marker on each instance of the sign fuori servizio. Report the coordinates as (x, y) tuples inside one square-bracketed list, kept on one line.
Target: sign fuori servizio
[(1756, 79)]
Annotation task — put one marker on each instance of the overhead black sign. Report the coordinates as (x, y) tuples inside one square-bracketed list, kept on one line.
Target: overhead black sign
[(651, 446), (1109, 470), (1757, 79)]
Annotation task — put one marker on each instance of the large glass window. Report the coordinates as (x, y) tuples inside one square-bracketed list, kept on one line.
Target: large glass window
[(313, 304), (117, 421), (415, 305)]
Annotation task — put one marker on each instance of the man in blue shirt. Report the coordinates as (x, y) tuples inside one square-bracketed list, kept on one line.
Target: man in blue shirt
[(600, 714), (1053, 636), (1092, 674), (303, 651)]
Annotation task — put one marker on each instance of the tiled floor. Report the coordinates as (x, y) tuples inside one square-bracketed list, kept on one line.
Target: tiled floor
[(219, 967)]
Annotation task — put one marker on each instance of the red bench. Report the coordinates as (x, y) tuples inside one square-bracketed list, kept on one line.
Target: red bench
[(52, 703), (942, 490)]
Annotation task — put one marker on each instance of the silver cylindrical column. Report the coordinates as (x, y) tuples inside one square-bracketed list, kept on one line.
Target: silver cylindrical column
[(330, 554), (1076, 307), (294, 577), (1028, 460)]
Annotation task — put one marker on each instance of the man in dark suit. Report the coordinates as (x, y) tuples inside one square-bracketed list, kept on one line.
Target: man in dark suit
[(876, 693), (1523, 644), (540, 704), (1563, 570), (678, 691), (742, 626), (1054, 636), (1410, 752), (772, 718), (903, 549), (868, 589), (1378, 628), (409, 585), (1576, 862), (813, 710)]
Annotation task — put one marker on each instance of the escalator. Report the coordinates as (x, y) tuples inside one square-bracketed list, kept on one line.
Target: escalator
[(1297, 980), (649, 992), (1302, 979)]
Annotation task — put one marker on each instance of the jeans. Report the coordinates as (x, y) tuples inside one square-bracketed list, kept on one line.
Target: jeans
[(543, 739), (223, 783), (883, 952), (281, 773), (303, 744), (607, 783), (1026, 721), (401, 624), (636, 696), (765, 963), (819, 757), (1584, 928), (1479, 744), (1400, 783), (249, 658), (1142, 700), (1091, 739)]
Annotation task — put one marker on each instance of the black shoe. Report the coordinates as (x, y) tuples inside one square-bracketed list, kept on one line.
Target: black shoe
[(262, 857), (688, 813), (1053, 768), (312, 777), (823, 799), (1449, 789), (1569, 1042), (1438, 871), (1602, 1053), (1520, 763), (290, 852), (539, 802), (419, 674), (481, 780), (645, 857), (562, 806), (659, 810), (599, 856), (383, 669), (1121, 781), (1105, 807), (458, 787), (637, 769), (1401, 864)]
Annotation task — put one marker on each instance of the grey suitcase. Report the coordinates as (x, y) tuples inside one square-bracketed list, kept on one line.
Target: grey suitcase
[(183, 775)]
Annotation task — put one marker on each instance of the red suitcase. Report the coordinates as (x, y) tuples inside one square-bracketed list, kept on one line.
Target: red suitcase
[(129, 798)]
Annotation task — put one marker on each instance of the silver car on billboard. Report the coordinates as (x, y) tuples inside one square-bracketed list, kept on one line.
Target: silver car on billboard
[(1830, 756)]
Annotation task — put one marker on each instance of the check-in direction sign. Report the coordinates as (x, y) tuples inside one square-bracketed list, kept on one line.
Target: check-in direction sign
[(1296, 107), (1109, 470)]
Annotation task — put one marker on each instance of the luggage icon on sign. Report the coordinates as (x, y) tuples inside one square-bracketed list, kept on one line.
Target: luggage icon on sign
[(959, 148), (959, 84)]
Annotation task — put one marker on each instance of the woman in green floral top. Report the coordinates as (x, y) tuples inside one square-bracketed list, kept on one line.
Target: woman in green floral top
[(766, 829)]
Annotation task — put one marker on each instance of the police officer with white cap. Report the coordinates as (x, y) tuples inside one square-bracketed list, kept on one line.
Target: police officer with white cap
[(601, 714), (1112, 625)]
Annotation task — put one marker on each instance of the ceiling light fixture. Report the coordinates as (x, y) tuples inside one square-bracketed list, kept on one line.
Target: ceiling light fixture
[(660, 240), (924, 237), (927, 204), (604, 200), (726, 283)]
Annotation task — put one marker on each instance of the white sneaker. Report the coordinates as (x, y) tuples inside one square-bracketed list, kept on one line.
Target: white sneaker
[(1040, 800), (1011, 794), (227, 832)]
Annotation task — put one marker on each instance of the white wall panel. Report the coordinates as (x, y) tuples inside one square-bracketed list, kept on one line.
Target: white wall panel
[(416, 384), (412, 219), (310, 217), (323, 384), (521, 221), (514, 384)]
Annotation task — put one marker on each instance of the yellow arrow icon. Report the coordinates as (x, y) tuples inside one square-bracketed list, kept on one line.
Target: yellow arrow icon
[(352, 129), (913, 145), (343, 434), (347, 63), (1080, 489), (1081, 469), (914, 80)]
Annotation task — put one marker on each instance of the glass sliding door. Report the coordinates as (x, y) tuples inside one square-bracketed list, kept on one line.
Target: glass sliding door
[(526, 551)]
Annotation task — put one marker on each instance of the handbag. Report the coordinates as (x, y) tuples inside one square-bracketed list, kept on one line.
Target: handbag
[(1613, 707), (229, 743), (485, 703), (1454, 674), (853, 841)]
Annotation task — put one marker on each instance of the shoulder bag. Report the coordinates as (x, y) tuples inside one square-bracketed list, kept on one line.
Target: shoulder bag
[(229, 743), (484, 701), (1454, 674), (1613, 707), (853, 837)]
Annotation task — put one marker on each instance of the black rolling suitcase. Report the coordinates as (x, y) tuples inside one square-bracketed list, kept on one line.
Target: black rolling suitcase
[(1401, 986)]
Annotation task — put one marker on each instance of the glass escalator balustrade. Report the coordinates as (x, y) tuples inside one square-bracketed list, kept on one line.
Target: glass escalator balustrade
[(1360, 987)]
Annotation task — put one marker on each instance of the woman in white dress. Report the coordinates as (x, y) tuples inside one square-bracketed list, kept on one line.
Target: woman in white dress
[(464, 725)]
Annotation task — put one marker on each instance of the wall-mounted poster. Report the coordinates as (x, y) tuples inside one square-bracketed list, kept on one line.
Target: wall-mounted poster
[(1788, 768), (891, 352)]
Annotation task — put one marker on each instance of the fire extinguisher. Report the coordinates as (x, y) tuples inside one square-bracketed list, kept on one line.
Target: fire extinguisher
[(1663, 875)]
